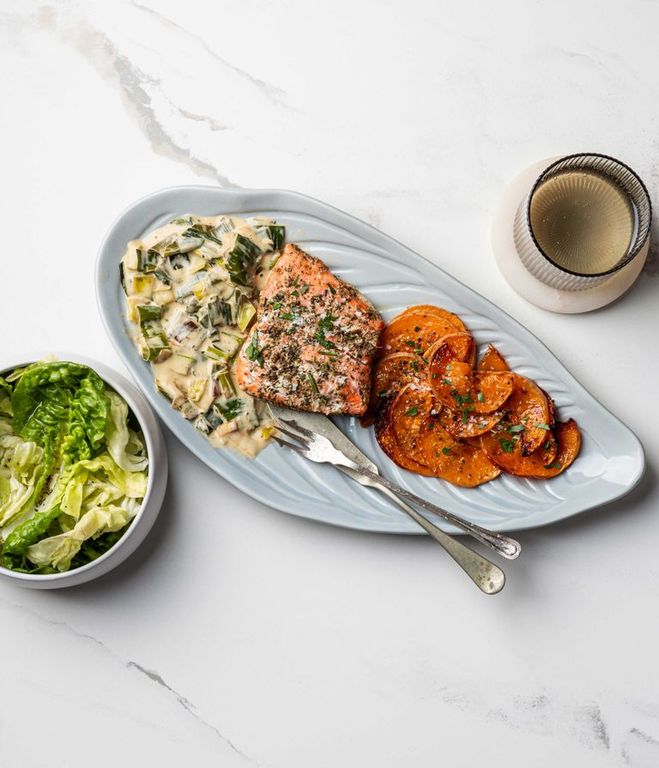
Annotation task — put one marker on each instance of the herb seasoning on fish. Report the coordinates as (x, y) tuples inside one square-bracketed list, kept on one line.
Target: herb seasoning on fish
[(318, 337)]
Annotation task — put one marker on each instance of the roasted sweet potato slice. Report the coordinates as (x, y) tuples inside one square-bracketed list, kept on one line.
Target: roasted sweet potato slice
[(415, 333), (429, 310), (551, 407), (504, 449), (386, 438), (407, 414), (464, 424), (556, 453), (569, 445), (457, 386), (390, 375), (528, 413), (460, 463), (394, 371), (492, 361), (461, 346)]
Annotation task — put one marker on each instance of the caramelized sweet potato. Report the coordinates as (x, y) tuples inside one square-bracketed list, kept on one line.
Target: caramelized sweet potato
[(528, 413), (415, 333), (429, 310), (465, 425), (407, 413), (556, 453), (457, 386), (394, 371), (492, 361), (551, 407), (390, 375), (459, 463), (386, 438), (569, 445), (460, 345), (504, 449)]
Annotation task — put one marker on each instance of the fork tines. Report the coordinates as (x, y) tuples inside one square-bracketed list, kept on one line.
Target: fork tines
[(287, 444), (290, 433)]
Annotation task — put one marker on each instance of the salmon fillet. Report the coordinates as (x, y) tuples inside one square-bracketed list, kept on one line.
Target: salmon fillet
[(313, 342)]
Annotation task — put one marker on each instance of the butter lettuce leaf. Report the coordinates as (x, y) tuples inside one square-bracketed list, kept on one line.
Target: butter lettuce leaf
[(20, 470), (87, 486), (5, 397), (62, 407), (123, 444), (58, 551)]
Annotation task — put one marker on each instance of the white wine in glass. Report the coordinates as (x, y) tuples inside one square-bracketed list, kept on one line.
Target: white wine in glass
[(583, 221)]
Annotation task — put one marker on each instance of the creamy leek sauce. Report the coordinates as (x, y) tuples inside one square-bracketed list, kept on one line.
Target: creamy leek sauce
[(191, 290)]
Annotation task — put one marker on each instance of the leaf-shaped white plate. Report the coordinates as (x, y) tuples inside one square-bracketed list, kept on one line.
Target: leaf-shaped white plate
[(393, 277)]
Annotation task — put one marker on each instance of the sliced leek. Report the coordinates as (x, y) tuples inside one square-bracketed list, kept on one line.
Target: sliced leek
[(191, 295)]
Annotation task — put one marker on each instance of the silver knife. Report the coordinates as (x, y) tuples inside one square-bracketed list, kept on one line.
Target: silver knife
[(486, 575)]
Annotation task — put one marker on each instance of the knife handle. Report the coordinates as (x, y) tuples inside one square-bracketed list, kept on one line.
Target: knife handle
[(504, 545), (487, 576)]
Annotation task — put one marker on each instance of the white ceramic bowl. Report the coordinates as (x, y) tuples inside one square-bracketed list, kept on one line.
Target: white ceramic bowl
[(155, 489)]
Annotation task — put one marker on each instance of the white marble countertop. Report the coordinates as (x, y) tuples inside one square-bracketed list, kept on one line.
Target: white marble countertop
[(239, 635)]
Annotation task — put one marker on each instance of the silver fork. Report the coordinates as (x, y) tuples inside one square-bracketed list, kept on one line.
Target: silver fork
[(319, 449)]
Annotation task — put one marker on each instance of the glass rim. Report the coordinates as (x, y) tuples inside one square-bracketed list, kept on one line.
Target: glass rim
[(632, 253)]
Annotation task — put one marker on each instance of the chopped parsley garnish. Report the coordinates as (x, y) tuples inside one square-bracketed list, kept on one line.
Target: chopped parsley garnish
[(446, 450), (324, 325), (230, 409), (554, 465), (295, 293), (417, 328), (480, 397), (253, 351), (319, 336), (507, 446), (312, 382), (414, 365), (327, 322), (304, 288), (448, 382), (331, 289), (461, 399), (465, 413), (516, 428), (412, 411), (410, 343), (541, 426), (286, 315), (276, 304)]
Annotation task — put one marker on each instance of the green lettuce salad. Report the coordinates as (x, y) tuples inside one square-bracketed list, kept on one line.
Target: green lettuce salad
[(73, 467)]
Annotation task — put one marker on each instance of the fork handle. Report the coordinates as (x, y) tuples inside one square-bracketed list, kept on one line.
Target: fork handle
[(504, 545), (487, 576)]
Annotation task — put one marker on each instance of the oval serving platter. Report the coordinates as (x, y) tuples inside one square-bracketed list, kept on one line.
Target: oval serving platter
[(393, 277)]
